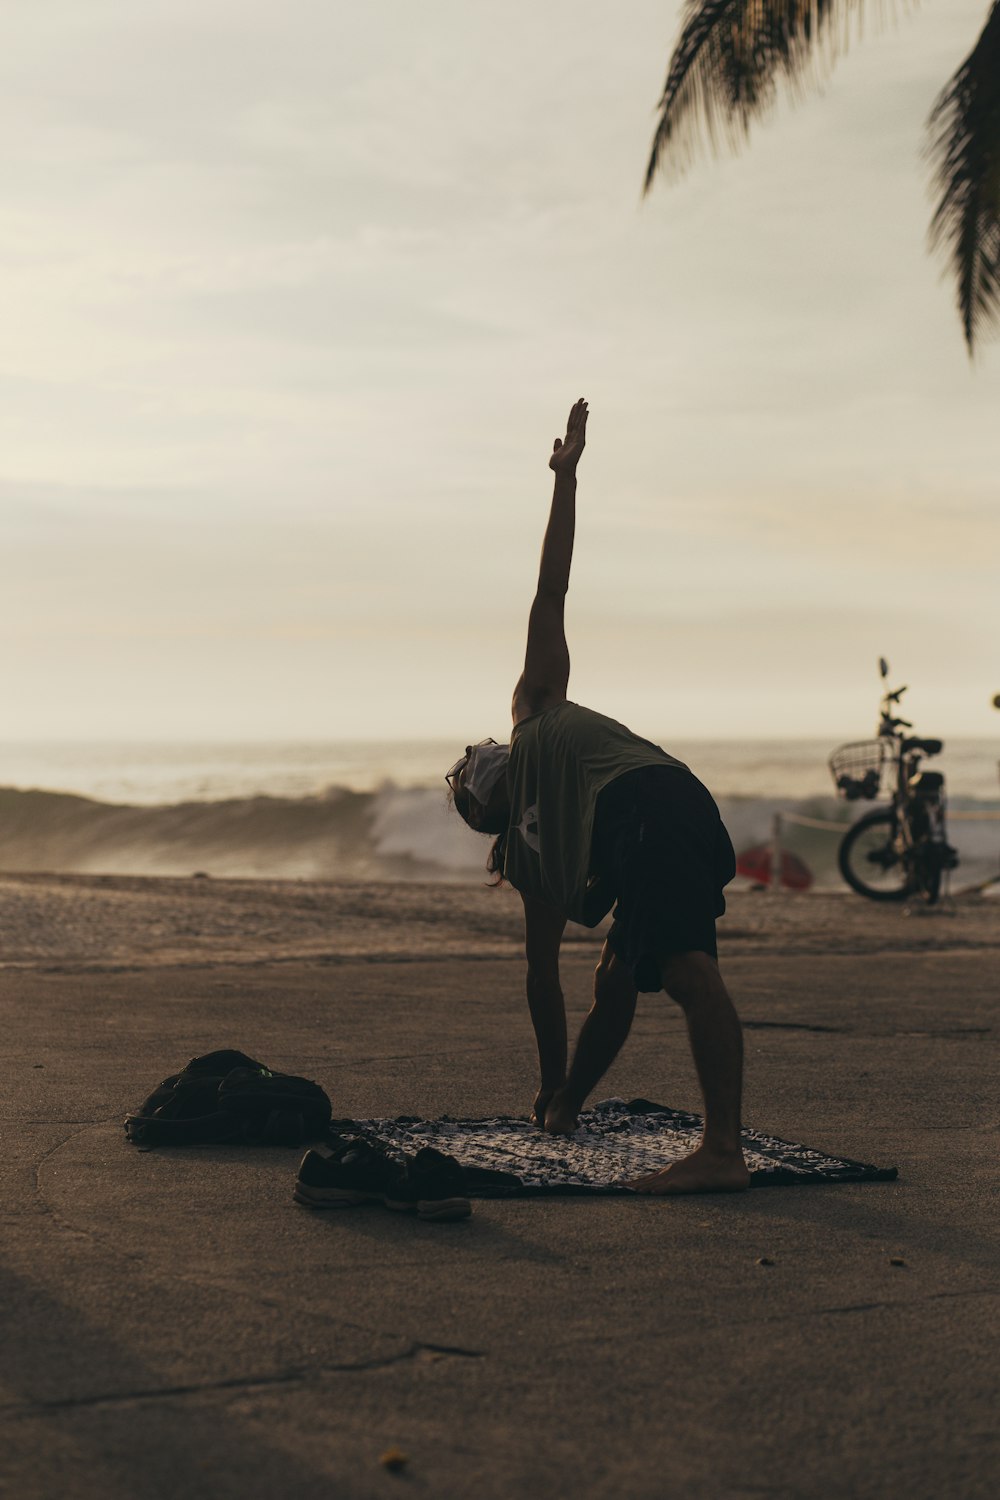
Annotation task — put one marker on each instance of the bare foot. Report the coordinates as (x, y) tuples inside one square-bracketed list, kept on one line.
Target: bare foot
[(701, 1172), (561, 1116), (541, 1104)]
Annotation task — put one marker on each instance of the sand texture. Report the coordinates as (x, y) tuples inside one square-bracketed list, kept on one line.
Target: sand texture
[(174, 1324)]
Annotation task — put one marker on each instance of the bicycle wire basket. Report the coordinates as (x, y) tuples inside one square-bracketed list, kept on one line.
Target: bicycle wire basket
[(859, 769)]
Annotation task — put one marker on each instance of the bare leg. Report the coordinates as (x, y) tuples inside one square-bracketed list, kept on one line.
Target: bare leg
[(694, 982), (607, 1025)]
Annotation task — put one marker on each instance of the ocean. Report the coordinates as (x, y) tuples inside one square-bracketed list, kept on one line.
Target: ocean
[(377, 810)]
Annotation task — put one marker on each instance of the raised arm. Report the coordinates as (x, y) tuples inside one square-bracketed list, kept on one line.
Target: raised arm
[(545, 677)]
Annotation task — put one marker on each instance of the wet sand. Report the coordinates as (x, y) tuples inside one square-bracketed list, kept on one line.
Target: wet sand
[(93, 921), (173, 1324)]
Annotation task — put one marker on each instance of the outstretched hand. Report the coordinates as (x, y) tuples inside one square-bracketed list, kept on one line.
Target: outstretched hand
[(566, 451)]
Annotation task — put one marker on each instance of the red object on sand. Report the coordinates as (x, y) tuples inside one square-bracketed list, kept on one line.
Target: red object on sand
[(755, 864)]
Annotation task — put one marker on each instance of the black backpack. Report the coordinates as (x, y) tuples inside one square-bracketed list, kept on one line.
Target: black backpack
[(226, 1096)]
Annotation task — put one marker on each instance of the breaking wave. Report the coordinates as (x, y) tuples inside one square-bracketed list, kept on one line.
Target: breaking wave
[(392, 833), (389, 834)]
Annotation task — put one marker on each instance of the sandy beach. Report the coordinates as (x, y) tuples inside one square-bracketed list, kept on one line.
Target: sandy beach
[(174, 1324), (430, 433)]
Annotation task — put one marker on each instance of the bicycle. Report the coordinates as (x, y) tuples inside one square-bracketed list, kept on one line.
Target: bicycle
[(902, 850)]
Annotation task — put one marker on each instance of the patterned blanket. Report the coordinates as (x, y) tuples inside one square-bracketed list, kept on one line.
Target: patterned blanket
[(616, 1140)]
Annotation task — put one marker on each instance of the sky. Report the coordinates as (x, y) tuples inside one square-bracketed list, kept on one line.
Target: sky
[(295, 299)]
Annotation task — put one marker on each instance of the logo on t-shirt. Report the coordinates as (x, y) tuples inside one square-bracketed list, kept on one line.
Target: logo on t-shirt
[(528, 827)]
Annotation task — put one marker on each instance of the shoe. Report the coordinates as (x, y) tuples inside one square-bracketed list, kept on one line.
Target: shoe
[(348, 1172), (433, 1185)]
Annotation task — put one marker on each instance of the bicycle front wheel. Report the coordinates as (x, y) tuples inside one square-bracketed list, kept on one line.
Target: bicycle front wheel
[(870, 861)]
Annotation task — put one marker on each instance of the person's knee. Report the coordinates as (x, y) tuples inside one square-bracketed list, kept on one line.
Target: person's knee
[(691, 978), (605, 964), (612, 980)]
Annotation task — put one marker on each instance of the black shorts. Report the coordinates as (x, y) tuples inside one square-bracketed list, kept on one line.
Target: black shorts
[(661, 846)]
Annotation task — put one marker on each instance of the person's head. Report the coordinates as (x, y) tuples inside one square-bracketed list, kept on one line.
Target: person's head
[(478, 785)]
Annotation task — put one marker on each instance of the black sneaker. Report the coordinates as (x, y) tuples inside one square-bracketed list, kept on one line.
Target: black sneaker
[(347, 1172), (433, 1185)]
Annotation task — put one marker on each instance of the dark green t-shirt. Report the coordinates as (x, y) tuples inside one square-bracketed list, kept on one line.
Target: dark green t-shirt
[(560, 760)]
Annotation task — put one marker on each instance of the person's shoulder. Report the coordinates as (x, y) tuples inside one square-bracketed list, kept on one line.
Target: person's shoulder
[(577, 716), (614, 725), (528, 710)]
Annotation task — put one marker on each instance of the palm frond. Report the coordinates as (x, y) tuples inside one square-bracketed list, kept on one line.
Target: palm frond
[(728, 63), (964, 145)]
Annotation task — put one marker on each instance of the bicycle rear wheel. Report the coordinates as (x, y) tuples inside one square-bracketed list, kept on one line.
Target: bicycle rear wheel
[(870, 862)]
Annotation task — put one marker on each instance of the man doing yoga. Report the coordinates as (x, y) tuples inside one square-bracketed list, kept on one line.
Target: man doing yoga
[(587, 815)]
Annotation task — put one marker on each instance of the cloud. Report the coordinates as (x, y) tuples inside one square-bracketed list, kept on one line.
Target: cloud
[(295, 300)]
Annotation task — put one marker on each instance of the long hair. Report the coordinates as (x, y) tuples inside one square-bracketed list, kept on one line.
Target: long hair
[(495, 859), (462, 802)]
